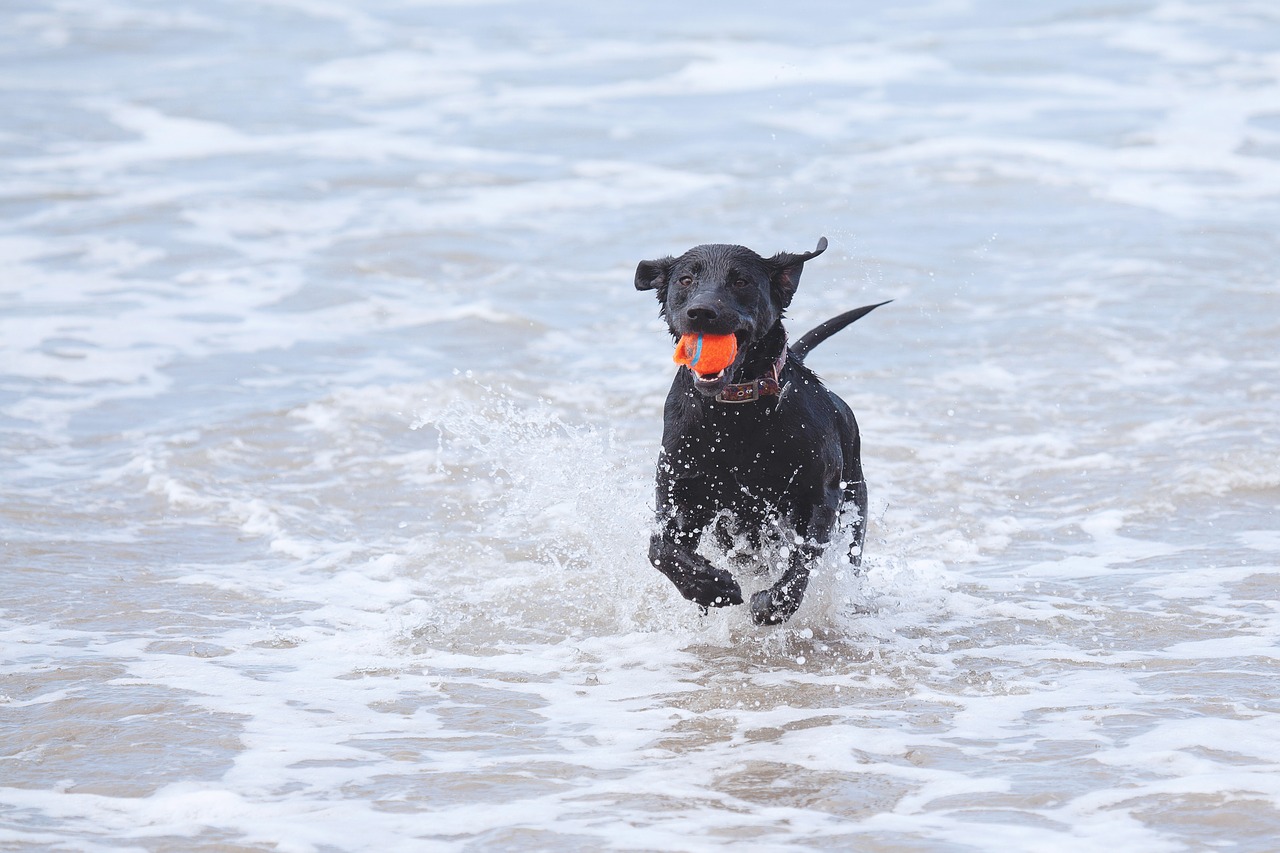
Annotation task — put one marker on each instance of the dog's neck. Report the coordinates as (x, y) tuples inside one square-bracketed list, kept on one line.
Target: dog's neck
[(764, 360), (765, 356)]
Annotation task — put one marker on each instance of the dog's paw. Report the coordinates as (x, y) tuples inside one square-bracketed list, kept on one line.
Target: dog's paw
[(770, 608), (717, 588)]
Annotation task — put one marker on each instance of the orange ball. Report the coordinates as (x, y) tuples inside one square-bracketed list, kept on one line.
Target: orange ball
[(706, 354)]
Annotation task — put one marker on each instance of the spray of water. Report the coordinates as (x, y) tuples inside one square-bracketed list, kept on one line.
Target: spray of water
[(551, 539)]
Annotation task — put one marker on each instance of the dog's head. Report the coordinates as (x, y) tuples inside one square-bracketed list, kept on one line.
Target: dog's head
[(719, 289)]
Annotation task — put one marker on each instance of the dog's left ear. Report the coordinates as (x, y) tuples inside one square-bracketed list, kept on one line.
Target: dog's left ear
[(652, 275), (786, 271)]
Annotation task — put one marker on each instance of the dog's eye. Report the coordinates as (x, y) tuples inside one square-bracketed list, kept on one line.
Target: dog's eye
[(740, 283), (686, 280)]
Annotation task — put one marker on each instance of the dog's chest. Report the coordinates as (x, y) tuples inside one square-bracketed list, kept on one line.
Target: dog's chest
[(732, 449)]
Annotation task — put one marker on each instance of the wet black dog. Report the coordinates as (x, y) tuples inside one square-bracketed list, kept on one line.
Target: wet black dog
[(761, 449)]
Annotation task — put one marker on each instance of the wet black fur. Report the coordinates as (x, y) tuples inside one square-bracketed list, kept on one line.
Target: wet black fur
[(784, 466)]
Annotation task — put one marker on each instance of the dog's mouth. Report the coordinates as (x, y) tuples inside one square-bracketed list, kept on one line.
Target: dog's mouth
[(711, 384)]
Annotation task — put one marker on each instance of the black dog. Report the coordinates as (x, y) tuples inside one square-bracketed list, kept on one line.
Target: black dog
[(761, 447)]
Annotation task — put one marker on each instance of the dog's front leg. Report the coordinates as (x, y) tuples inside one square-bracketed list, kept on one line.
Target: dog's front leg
[(686, 506), (672, 553), (779, 602)]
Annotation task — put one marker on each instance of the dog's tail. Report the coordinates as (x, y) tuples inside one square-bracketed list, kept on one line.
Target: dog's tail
[(824, 330)]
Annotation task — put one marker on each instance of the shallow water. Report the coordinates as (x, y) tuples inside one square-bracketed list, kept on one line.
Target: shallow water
[(330, 414)]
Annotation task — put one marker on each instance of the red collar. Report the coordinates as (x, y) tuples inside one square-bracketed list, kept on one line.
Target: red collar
[(763, 386)]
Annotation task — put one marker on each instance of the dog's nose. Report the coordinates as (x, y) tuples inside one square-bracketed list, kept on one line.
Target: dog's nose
[(702, 313)]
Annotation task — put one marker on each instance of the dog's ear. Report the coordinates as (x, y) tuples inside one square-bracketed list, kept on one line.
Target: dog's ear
[(652, 275), (786, 271)]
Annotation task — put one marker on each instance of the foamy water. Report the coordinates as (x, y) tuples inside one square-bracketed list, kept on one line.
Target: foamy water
[(330, 416)]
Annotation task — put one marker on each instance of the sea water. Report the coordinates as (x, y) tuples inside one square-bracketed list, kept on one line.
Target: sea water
[(329, 417)]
